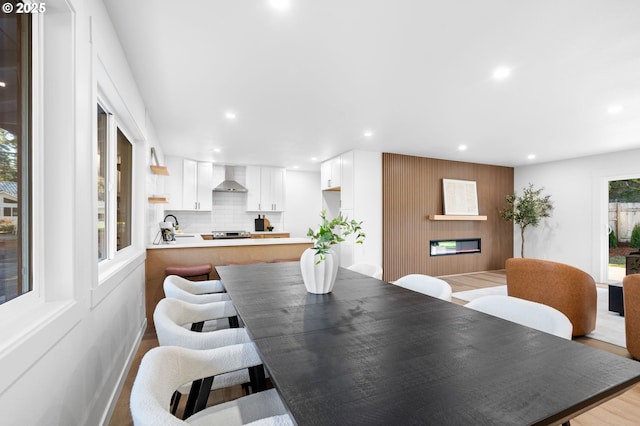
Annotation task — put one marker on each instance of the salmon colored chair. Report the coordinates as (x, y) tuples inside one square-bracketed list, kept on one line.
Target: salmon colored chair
[(631, 291), (561, 286)]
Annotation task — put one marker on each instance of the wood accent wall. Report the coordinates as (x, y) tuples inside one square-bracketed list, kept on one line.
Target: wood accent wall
[(412, 190)]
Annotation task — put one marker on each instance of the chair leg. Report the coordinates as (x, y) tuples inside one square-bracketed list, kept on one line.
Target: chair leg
[(203, 395), (197, 326), (258, 381), (175, 400), (233, 322), (191, 400), (245, 388)]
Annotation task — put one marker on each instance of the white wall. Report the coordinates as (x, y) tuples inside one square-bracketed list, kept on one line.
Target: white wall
[(576, 233), (304, 202), (63, 358)]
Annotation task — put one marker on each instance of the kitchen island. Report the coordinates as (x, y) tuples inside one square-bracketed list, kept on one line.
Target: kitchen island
[(191, 249)]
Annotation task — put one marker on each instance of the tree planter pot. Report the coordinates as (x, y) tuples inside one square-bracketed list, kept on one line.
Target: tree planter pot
[(319, 278)]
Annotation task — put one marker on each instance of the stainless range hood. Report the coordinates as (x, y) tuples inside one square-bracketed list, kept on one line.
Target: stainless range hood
[(230, 184)]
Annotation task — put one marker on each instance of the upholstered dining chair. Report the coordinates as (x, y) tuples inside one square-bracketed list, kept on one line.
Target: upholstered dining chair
[(525, 312), (369, 269), (194, 291), (169, 318), (631, 295), (425, 284), (561, 286), (163, 369), (199, 292)]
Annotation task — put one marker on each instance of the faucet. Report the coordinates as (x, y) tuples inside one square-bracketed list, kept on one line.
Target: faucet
[(175, 220)]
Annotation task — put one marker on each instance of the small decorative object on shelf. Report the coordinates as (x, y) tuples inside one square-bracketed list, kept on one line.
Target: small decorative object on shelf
[(319, 264)]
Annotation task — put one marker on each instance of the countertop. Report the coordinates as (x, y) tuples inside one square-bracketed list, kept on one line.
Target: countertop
[(195, 240), (267, 232)]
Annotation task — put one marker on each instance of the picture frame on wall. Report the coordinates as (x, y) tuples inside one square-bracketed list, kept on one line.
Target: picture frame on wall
[(460, 197)]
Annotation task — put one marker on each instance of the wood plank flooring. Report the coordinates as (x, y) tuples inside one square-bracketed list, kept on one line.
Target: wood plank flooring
[(623, 410)]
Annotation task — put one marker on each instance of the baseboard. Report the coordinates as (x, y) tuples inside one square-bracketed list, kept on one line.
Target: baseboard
[(113, 399)]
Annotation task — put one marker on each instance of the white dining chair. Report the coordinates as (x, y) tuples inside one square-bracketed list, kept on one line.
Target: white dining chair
[(425, 284), (163, 369), (199, 292), (194, 291), (171, 315), (525, 312), (369, 269)]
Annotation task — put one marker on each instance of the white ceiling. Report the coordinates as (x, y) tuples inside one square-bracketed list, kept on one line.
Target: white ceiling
[(308, 81)]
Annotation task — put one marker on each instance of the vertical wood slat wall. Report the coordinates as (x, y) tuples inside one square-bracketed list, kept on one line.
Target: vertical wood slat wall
[(412, 190)]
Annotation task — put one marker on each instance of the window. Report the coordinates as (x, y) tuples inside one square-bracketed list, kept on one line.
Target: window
[(15, 142), (124, 191), (114, 179)]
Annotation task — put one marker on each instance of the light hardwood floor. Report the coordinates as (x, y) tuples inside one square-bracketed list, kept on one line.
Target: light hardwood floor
[(623, 410)]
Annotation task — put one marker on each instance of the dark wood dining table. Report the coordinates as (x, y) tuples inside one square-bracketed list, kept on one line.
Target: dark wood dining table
[(373, 353)]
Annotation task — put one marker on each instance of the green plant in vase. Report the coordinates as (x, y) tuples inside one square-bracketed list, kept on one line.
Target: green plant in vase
[(332, 232), (319, 264)]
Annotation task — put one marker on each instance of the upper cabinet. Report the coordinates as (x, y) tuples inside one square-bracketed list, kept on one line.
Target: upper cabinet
[(266, 188), (190, 187), (331, 174)]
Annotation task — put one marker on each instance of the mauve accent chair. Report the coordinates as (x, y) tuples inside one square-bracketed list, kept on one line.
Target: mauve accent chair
[(561, 286), (631, 290)]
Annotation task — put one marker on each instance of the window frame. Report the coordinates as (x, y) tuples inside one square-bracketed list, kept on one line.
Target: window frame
[(37, 320), (111, 271), (113, 256)]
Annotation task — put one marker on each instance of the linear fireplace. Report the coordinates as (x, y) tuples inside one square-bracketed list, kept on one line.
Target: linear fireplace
[(458, 246)]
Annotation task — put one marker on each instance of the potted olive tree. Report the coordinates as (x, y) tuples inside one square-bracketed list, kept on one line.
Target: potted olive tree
[(527, 209), (319, 264)]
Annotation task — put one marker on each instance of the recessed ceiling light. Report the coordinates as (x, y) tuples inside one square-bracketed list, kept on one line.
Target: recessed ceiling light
[(462, 147), (531, 156), (280, 4), (368, 133), (501, 73), (314, 159), (3, 84), (296, 167), (230, 115), (615, 109), (216, 150)]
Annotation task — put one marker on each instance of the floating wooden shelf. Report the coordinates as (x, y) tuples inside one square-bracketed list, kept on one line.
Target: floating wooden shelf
[(159, 170), (455, 217), (158, 199)]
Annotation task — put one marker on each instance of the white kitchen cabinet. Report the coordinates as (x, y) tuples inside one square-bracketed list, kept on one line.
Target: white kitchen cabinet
[(359, 197), (331, 174), (346, 181), (265, 187), (189, 185)]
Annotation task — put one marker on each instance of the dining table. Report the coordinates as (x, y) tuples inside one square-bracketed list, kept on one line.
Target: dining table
[(372, 353)]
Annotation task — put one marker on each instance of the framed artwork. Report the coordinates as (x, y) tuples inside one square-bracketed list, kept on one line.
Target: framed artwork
[(460, 197)]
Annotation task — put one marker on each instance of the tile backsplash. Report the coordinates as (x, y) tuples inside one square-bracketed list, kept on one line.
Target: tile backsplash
[(229, 213)]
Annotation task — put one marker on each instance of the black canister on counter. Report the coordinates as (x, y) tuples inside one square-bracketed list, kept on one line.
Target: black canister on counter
[(259, 224)]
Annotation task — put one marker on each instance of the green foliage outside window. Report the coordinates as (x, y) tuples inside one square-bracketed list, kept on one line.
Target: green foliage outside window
[(613, 240), (635, 236)]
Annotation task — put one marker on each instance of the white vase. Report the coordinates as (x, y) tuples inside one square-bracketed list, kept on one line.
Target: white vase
[(319, 278)]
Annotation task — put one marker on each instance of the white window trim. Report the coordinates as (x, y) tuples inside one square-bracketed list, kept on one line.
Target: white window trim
[(32, 323), (118, 264)]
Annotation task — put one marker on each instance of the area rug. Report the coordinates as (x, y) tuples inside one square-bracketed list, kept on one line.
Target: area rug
[(609, 325)]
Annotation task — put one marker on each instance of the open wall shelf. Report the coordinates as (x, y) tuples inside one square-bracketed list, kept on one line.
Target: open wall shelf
[(456, 217), (158, 199)]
